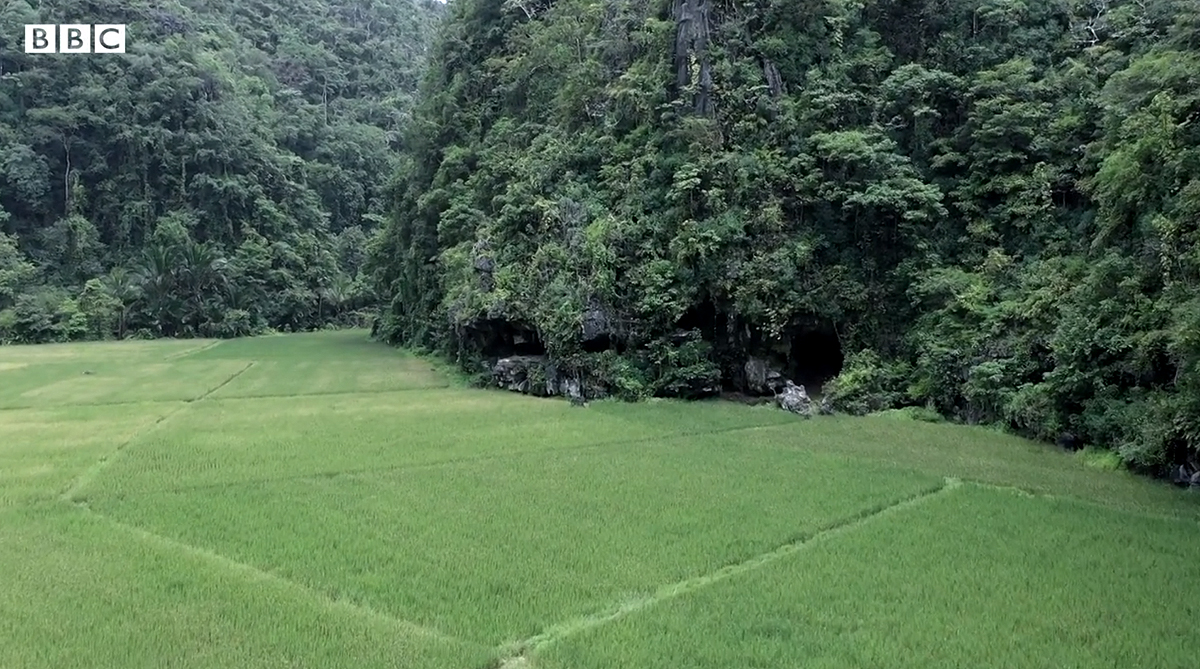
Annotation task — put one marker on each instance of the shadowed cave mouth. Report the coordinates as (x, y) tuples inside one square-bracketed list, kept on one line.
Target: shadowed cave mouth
[(809, 355), (498, 338), (814, 357)]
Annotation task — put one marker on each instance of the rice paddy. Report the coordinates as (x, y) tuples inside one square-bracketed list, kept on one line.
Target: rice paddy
[(320, 500)]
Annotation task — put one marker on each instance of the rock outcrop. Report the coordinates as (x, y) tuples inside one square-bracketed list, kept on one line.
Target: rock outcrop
[(761, 379), (518, 373), (795, 399), (1186, 475), (485, 265), (598, 328), (537, 375)]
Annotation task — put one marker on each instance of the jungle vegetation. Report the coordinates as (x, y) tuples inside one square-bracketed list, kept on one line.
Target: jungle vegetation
[(983, 209), (220, 178), (987, 208)]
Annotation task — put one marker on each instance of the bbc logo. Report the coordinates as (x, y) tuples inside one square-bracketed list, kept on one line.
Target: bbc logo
[(75, 38)]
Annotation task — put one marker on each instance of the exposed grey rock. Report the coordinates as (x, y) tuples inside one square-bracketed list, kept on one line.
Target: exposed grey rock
[(1186, 475), (691, 51), (538, 375), (568, 387), (514, 373), (795, 399), (596, 323), (571, 388), (484, 264), (774, 79), (756, 373), (552, 379), (761, 379)]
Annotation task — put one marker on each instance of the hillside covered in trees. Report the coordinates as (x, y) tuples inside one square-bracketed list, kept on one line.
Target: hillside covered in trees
[(990, 208), (221, 177)]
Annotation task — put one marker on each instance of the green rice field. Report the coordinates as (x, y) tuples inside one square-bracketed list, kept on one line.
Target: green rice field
[(320, 500)]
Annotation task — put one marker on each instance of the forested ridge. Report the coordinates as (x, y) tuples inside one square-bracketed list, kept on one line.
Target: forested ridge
[(987, 208), (220, 178), (983, 209)]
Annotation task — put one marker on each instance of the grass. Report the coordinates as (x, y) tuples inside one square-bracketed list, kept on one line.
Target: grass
[(103, 382), (327, 363), (81, 591), (43, 450), (321, 500), (537, 536), (976, 577)]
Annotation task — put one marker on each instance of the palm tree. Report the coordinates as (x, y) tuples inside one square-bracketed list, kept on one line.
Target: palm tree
[(338, 293), (156, 275), (201, 269), (122, 285)]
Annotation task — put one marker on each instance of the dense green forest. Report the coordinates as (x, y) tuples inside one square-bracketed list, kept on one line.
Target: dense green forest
[(988, 208), (985, 208), (222, 177)]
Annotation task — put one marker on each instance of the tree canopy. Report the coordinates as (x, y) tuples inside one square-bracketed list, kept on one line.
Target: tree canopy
[(992, 205), (219, 178), (987, 208)]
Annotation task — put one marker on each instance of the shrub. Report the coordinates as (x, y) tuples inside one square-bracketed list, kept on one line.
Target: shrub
[(1100, 459), (682, 366), (867, 384)]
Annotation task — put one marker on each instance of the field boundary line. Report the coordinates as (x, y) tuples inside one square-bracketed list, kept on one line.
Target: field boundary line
[(199, 349), (257, 574), (118, 403), (88, 475), (416, 466), (1016, 489), (332, 393), (519, 652), (1082, 501), (223, 383), (27, 407)]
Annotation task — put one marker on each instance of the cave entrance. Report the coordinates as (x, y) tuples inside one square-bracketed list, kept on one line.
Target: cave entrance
[(501, 339), (815, 357)]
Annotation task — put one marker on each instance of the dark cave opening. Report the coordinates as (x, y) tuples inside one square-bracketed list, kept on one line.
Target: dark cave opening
[(527, 343), (703, 317), (815, 356), (600, 343), (498, 338)]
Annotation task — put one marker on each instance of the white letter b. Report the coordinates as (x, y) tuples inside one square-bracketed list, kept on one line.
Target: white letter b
[(40, 38)]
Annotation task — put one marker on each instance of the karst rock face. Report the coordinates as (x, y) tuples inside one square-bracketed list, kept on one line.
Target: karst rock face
[(518, 373), (1187, 474), (538, 375), (761, 379), (680, 197), (826, 408)]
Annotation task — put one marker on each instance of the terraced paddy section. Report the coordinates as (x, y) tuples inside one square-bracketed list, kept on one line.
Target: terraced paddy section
[(321, 500)]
